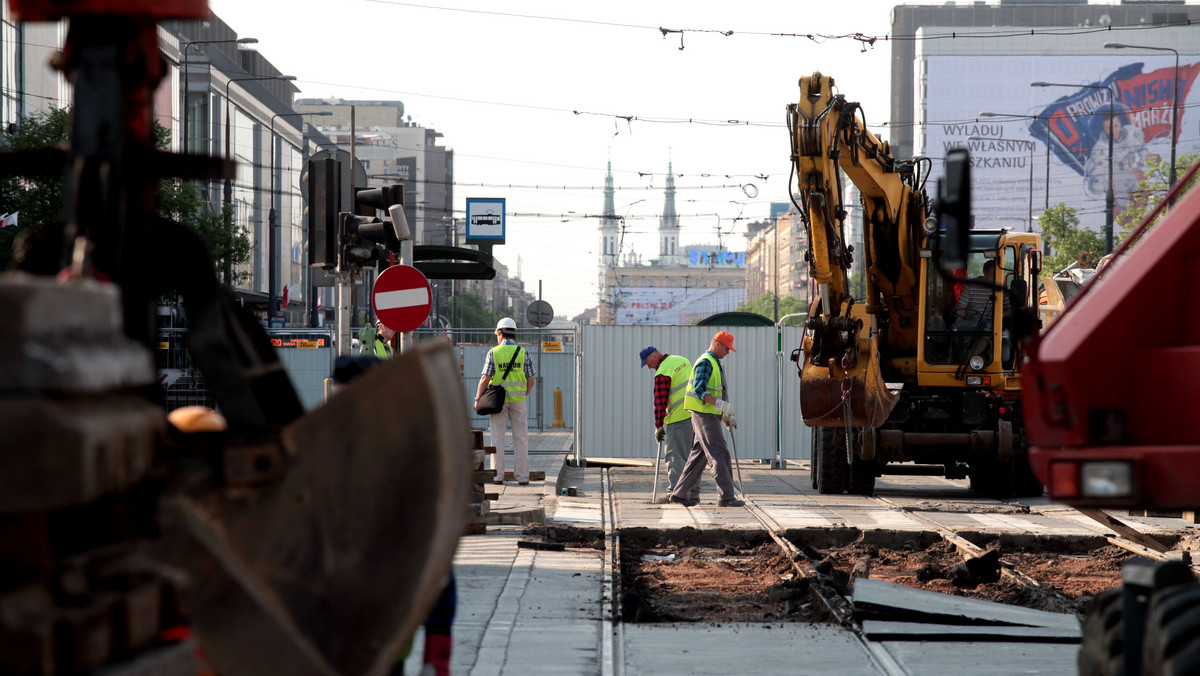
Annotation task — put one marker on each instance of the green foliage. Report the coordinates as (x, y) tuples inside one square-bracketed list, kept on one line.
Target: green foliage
[(180, 201), (39, 200), (1064, 239), (1151, 191), (765, 306), (467, 311)]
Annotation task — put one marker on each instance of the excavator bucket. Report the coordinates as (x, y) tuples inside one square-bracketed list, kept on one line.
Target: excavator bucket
[(330, 568), (824, 392)]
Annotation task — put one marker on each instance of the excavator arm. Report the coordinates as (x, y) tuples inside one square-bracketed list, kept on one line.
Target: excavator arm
[(846, 334)]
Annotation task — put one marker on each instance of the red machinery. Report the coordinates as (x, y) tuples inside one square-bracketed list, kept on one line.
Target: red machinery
[(1114, 382)]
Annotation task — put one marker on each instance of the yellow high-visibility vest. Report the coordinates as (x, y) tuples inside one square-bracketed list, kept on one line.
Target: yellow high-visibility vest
[(515, 385), (679, 370), (694, 403)]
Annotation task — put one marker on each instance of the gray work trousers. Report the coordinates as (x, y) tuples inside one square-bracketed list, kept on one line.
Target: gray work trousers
[(678, 441), (709, 446)]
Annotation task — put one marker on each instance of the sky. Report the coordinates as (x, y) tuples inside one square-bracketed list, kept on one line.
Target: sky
[(536, 98)]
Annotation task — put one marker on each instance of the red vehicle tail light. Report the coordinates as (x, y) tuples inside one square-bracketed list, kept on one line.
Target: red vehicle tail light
[(1064, 480)]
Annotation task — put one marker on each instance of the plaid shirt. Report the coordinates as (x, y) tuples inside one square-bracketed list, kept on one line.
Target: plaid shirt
[(662, 395), (489, 364), (702, 372)]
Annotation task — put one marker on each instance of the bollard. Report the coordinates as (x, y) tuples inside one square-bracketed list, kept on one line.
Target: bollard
[(558, 419)]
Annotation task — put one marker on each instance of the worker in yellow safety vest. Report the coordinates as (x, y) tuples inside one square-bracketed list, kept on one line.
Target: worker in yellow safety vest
[(672, 420), (508, 365), (708, 400)]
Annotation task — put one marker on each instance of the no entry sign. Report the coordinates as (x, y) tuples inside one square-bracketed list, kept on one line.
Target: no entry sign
[(401, 298)]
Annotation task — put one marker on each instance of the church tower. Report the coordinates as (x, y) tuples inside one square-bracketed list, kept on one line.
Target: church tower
[(609, 224), (668, 227)]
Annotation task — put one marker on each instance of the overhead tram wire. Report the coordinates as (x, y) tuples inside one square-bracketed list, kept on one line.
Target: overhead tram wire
[(864, 39)]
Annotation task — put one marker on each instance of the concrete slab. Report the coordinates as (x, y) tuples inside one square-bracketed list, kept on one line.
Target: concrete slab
[(993, 659), (786, 648), (877, 630), (875, 599)]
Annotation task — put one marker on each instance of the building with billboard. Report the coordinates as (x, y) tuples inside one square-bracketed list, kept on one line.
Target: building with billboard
[(1036, 146)]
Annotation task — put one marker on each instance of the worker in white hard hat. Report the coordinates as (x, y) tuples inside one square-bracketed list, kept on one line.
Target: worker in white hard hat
[(508, 365)]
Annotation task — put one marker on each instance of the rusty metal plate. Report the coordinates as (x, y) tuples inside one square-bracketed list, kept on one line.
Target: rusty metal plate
[(332, 569)]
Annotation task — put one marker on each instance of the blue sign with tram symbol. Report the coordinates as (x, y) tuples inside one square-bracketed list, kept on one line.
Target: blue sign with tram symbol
[(485, 219)]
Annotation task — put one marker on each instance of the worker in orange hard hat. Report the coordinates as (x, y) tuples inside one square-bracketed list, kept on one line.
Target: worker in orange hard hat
[(707, 398)]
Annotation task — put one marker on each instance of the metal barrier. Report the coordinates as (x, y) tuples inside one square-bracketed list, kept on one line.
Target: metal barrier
[(306, 355), (182, 382)]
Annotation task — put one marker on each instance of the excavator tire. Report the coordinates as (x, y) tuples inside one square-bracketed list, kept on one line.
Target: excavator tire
[(860, 476), (992, 479), (1025, 482), (1101, 652), (831, 466), (1172, 642)]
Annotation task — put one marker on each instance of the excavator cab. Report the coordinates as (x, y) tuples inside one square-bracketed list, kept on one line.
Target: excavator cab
[(967, 323)]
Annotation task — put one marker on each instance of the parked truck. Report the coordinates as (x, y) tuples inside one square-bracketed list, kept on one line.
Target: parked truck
[(919, 373)]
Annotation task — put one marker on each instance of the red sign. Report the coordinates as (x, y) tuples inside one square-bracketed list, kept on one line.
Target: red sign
[(401, 298)]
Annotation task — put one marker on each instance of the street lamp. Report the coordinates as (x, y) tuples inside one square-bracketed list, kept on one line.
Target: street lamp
[(1029, 214), (1109, 195), (188, 45), (272, 226), (227, 272), (1033, 117), (1174, 99)]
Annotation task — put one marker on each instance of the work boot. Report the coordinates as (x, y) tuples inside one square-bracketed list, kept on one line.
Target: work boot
[(686, 502), (663, 500), (732, 502)]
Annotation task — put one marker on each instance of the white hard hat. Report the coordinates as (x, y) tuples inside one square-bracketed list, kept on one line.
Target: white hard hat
[(507, 324)]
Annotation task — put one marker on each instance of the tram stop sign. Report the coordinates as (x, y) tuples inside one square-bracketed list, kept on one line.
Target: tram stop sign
[(539, 313), (401, 298)]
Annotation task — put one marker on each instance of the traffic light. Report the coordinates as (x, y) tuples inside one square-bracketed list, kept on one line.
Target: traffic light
[(321, 214), (365, 238)]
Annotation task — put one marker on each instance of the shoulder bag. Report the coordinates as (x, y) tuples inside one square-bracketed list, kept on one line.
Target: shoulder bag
[(492, 400)]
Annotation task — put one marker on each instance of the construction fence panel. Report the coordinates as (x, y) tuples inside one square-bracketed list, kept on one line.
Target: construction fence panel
[(557, 369), (618, 419), (307, 357)]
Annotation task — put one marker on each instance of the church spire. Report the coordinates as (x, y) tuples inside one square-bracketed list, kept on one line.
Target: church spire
[(668, 227)]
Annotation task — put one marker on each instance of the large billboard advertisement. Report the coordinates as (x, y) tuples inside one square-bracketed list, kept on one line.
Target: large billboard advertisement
[(672, 306), (1033, 146)]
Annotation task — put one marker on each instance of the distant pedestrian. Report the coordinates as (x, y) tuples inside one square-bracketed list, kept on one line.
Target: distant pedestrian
[(672, 421), (708, 400), (381, 344), (508, 357)]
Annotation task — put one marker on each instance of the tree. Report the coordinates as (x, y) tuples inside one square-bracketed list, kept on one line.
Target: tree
[(1152, 188), (1064, 239), (765, 306), (39, 200)]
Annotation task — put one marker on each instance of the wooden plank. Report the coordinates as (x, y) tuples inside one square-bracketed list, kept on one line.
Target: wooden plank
[(476, 528), (1121, 528), (534, 475), (482, 476)]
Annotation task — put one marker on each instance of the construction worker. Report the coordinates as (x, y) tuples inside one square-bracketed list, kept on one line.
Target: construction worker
[(708, 400), (507, 365), (382, 346), (672, 422)]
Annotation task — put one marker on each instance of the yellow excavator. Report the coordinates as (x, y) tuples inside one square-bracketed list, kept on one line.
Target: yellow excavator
[(917, 374)]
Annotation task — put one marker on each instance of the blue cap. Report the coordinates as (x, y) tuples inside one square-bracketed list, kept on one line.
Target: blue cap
[(646, 352)]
